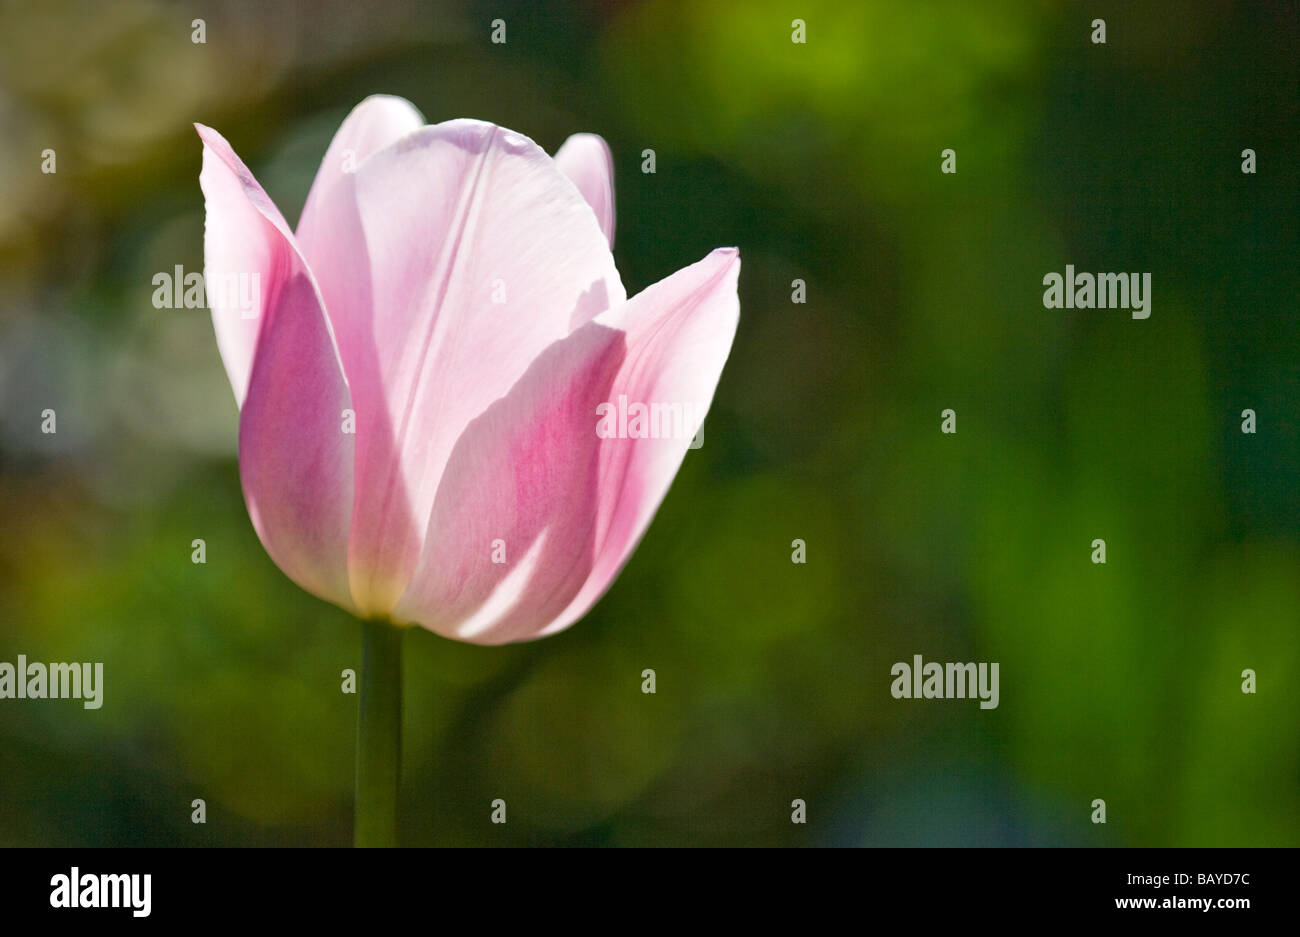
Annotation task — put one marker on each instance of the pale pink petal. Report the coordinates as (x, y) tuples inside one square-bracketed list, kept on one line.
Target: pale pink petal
[(295, 461), (585, 158), (532, 477), (511, 535), (376, 122), (243, 238), (461, 253)]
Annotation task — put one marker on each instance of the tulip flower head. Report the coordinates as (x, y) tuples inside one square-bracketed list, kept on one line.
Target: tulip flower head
[(422, 380)]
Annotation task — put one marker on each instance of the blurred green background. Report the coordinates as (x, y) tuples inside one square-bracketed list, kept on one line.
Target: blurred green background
[(821, 161)]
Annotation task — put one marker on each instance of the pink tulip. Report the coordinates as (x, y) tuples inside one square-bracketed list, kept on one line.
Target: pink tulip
[(420, 376)]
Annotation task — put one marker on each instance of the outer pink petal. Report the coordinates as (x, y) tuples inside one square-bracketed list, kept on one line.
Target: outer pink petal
[(295, 461), (460, 254), (243, 238), (585, 158), (376, 122), (568, 506)]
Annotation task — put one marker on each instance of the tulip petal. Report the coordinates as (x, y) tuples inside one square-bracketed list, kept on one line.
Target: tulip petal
[(532, 482), (295, 461), (243, 237), (460, 255), (511, 534), (679, 335), (376, 122), (585, 158)]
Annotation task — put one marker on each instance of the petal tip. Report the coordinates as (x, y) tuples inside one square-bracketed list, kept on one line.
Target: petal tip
[(213, 140), (727, 261), (395, 100)]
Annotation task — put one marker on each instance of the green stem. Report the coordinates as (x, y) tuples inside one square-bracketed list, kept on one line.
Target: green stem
[(379, 735)]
